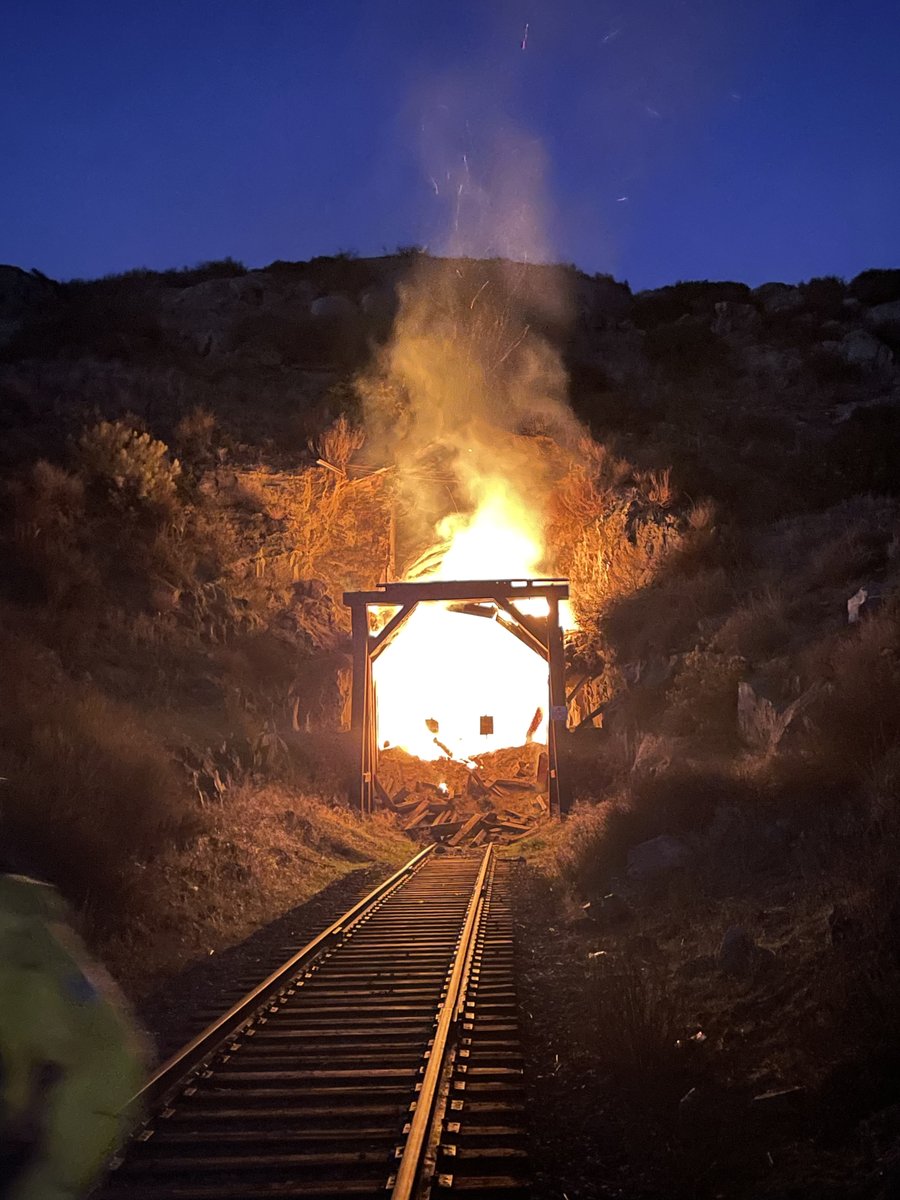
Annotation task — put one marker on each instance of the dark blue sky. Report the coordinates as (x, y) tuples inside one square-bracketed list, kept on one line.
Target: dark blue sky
[(657, 139)]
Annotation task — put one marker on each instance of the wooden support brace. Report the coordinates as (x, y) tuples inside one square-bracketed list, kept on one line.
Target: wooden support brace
[(385, 635)]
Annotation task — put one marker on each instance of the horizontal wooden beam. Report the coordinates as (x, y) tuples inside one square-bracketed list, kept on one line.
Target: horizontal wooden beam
[(463, 589)]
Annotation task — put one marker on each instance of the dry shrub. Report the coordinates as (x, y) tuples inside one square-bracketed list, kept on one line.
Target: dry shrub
[(634, 1020), (702, 701), (664, 618), (612, 556), (757, 629), (614, 532), (676, 801), (683, 799), (339, 528), (194, 434), (604, 468), (132, 467), (833, 547), (88, 791), (44, 556), (339, 442), (857, 719), (594, 844), (864, 979), (595, 763), (658, 487)]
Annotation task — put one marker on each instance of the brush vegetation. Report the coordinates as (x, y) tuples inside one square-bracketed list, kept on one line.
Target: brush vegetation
[(197, 464)]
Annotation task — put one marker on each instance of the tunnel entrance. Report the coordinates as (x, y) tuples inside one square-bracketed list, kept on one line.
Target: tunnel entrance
[(527, 610)]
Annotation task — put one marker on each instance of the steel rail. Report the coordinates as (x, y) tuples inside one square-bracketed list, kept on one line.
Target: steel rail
[(407, 1177), (173, 1072)]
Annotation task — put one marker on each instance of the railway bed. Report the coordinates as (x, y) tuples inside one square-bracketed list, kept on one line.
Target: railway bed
[(382, 1059)]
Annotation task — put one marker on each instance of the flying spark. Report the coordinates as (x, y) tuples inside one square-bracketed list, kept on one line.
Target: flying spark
[(621, 199), (611, 36), (525, 37)]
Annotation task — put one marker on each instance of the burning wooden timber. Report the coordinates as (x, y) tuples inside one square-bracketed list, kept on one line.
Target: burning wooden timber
[(500, 796)]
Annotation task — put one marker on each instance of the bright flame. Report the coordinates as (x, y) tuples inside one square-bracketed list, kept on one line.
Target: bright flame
[(446, 670)]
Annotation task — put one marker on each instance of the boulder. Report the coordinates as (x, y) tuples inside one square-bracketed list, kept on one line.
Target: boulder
[(778, 297), (336, 307), (236, 314), (739, 954), (734, 318), (653, 755), (860, 348), (762, 723), (658, 856), (863, 603), (884, 316)]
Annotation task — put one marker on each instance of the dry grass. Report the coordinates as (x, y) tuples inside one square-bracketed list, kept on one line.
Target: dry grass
[(339, 442), (88, 790), (267, 849), (665, 617), (702, 700), (857, 719), (757, 629), (635, 1020)]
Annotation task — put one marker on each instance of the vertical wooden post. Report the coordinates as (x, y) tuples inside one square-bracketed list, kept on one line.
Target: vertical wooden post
[(359, 624), (556, 726), (370, 744)]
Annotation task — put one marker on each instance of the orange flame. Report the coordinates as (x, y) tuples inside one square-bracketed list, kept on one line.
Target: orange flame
[(446, 670)]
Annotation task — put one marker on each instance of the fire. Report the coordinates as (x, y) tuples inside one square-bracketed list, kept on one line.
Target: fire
[(447, 670)]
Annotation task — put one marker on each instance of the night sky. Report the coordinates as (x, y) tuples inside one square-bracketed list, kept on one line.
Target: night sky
[(655, 139)]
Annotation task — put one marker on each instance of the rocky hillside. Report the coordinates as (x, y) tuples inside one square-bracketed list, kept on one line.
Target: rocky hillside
[(188, 489)]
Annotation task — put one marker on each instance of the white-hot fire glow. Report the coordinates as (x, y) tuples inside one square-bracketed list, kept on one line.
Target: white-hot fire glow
[(446, 670)]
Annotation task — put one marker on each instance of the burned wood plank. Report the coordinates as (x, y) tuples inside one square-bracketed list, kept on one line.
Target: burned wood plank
[(383, 794), (515, 785), (444, 831), (418, 816), (467, 829), (406, 806), (520, 837)]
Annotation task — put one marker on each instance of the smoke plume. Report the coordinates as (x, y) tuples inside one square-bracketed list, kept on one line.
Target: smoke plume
[(468, 398)]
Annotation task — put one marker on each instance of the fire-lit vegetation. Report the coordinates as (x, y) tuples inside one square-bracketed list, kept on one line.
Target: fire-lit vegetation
[(198, 465)]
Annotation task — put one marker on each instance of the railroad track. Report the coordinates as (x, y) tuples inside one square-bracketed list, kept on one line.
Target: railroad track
[(381, 1060)]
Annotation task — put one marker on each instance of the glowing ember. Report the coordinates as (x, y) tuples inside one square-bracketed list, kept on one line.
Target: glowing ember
[(446, 671)]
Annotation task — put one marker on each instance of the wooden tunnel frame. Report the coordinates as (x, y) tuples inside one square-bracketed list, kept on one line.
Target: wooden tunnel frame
[(543, 635)]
